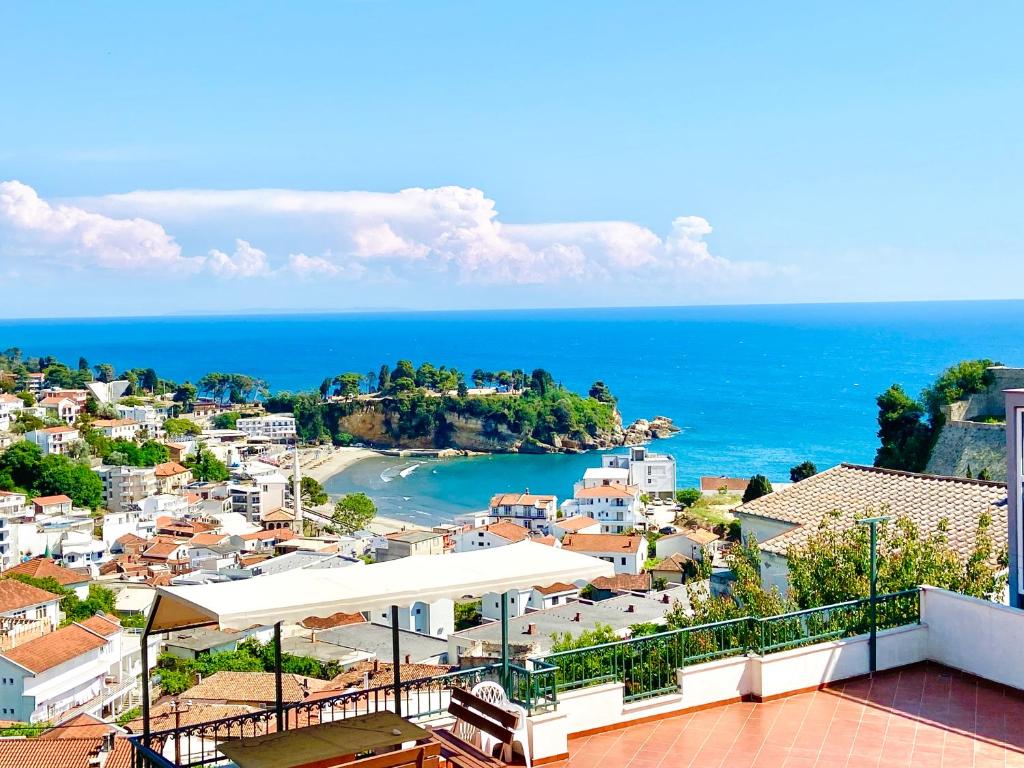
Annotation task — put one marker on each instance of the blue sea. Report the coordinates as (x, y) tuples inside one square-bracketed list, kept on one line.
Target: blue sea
[(755, 389)]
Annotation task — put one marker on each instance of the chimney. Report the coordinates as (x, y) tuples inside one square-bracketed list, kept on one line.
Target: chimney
[(665, 599), (630, 608), (531, 629), (408, 659), (376, 666), (578, 617)]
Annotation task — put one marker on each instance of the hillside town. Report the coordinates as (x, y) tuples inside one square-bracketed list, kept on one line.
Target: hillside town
[(142, 494)]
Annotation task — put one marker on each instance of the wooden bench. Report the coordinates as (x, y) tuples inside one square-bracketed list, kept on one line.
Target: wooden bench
[(488, 718), (425, 756)]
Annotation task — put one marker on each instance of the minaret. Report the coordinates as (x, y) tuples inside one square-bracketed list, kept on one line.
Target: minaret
[(297, 492)]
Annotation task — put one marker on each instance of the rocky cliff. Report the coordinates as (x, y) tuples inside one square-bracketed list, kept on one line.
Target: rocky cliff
[(374, 424)]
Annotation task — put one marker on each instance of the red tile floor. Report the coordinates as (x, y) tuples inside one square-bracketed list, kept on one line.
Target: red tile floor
[(925, 715)]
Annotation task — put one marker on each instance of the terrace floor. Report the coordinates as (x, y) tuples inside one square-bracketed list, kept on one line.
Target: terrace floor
[(925, 715)]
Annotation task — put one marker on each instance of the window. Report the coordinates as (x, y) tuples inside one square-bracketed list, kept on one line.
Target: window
[(623, 561)]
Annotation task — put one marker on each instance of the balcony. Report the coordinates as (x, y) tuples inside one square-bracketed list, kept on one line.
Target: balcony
[(793, 690)]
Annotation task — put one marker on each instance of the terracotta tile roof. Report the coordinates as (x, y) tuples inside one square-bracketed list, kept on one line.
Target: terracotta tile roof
[(44, 568), (162, 716), (602, 542), (252, 686), (379, 674), (57, 430), (674, 562), (102, 423), (14, 595), (856, 491), (610, 491), (282, 534), (557, 588), (523, 499), (697, 535), (207, 539), (246, 560), (170, 469), (129, 538), (162, 550), (80, 726), (122, 756), (101, 624), (5, 398), (624, 582), (48, 651), (47, 500), (731, 484), (334, 620), (50, 753), (507, 530), (160, 580), (55, 400), (548, 540), (573, 524), (279, 515)]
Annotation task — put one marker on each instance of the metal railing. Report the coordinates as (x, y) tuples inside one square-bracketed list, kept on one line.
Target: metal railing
[(647, 665)]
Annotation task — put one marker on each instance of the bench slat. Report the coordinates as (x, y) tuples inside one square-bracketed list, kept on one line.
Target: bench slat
[(459, 753), (456, 710), (486, 708)]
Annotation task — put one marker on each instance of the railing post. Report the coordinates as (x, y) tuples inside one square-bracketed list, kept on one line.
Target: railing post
[(504, 641), (396, 660), (278, 679)]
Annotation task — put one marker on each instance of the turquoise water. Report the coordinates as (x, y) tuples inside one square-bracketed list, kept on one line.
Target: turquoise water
[(756, 389)]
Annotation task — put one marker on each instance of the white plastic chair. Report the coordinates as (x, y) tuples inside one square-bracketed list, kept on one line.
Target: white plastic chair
[(493, 693)]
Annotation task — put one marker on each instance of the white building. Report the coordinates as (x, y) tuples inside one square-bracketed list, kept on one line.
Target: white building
[(626, 553), (436, 619), (653, 473), (63, 408), (278, 427), (258, 497), (532, 511), (616, 507), (9, 407), (577, 524), (25, 612), (495, 535), (47, 676), (11, 505), (125, 486), (125, 429), (690, 543), (53, 440), (149, 417)]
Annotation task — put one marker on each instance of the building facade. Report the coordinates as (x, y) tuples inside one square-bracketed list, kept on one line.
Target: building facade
[(277, 427), (653, 473), (1015, 492)]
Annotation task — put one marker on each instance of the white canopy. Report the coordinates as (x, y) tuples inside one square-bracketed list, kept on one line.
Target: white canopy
[(296, 595)]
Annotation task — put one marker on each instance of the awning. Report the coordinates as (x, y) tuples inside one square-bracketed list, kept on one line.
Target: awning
[(296, 595)]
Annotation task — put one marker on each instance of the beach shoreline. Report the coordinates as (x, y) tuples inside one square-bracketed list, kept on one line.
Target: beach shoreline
[(324, 463)]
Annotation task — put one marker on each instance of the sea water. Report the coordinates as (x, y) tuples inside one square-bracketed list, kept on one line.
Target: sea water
[(755, 389)]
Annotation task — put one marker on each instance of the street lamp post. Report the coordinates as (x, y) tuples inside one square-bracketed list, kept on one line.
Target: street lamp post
[(872, 523)]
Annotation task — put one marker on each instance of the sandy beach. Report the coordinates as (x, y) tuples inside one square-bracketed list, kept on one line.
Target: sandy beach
[(323, 463)]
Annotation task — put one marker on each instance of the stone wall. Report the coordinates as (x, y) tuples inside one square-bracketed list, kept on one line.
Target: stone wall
[(964, 444)]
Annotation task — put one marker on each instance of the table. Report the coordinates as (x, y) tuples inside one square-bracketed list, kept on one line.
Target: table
[(302, 746)]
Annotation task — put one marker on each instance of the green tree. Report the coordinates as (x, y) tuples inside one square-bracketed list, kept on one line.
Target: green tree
[(467, 614), (687, 497), (104, 372), (403, 370), (905, 439), (27, 398), (61, 475), (207, 467), (834, 564), (312, 492), (181, 427), (541, 381), (600, 392), (802, 471), (758, 486), (347, 384), (384, 379), (227, 420), (353, 512), (21, 463), (325, 387), (186, 394)]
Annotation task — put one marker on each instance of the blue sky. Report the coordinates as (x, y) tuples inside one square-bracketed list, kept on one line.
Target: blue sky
[(552, 154)]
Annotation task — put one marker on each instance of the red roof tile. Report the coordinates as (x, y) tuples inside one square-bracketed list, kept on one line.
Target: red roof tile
[(44, 568), (602, 542), (15, 595), (50, 650)]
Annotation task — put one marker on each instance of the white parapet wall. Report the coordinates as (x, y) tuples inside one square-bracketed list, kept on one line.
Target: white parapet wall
[(975, 636)]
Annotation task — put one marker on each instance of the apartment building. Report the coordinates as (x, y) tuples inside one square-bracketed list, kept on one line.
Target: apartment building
[(53, 440), (532, 511), (125, 486), (275, 426), (653, 473)]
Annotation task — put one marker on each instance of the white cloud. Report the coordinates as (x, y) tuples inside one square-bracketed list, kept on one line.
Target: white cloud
[(246, 261), (32, 227), (453, 233)]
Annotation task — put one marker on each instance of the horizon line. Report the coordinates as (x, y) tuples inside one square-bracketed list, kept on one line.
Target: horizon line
[(293, 311)]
